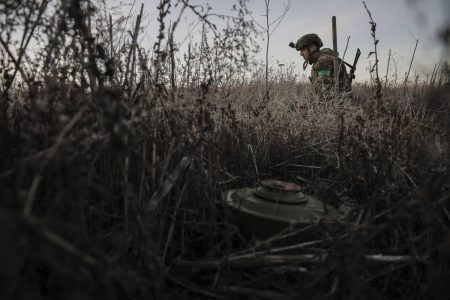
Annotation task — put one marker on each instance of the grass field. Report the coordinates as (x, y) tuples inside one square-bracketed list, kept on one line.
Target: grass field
[(113, 163)]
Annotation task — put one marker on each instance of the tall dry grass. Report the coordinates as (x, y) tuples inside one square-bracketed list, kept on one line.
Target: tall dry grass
[(114, 161)]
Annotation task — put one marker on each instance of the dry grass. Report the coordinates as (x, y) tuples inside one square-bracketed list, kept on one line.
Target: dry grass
[(113, 190)]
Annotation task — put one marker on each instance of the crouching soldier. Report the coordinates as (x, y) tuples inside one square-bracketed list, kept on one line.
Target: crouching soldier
[(322, 61)]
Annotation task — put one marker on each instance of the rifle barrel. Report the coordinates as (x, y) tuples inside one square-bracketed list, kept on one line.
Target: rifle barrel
[(353, 68)]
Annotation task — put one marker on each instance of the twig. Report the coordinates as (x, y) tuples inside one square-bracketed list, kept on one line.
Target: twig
[(304, 148), (259, 294), (410, 64), (341, 135), (274, 250), (168, 183), (277, 260), (111, 40), (67, 246), (343, 56), (304, 166), (126, 22), (49, 153), (375, 43), (268, 31), (254, 161), (24, 45), (286, 233), (387, 69), (193, 288), (172, 225), (132, 54), (388, 259), (16, 63), (407, 175), (435, 71)]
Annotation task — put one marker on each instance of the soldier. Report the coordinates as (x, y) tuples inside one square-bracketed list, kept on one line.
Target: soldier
[(322, 72)]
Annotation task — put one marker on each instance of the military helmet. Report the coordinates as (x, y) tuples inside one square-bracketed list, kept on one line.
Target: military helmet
[(307, 40)]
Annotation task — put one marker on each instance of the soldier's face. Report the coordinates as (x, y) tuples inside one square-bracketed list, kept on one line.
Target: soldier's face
[(304, 53)]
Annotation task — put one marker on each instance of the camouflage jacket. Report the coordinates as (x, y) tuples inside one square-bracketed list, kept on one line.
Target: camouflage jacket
[(322, 75)]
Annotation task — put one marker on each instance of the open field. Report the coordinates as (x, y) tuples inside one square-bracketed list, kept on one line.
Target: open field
[(111, 178)]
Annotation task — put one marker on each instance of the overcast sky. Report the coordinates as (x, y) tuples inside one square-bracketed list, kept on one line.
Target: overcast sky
[(397, 22)]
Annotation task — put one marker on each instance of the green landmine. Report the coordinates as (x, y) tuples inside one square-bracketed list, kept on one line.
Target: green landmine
[(273, 206)]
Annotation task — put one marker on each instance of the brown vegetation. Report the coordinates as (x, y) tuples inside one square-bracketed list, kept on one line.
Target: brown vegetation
[(114, 159)]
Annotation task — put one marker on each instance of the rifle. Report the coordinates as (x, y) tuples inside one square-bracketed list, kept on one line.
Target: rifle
[(353, 67)]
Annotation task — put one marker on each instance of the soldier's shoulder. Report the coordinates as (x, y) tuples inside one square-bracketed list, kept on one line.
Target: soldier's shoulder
[(325, 57), (326, 53)]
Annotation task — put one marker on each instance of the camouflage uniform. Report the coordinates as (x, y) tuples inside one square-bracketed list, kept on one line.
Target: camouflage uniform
[(322, 75), (322, 72)]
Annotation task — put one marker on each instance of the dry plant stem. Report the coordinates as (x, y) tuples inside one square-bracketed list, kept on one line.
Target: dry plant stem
[(407, 176), (279, 260), (202, 15), (168, 184), (410, 64), (275, 250), (269, 31), (134, 44), (172, 224), (279, 237), (432, 75), (49, 154), (328, 141), (370, 72), (164, 8), (67, 246), (132, 53), (146, 161), (26, 38), (194, 288), (333, 287), (435, 72), (143, 173), (343, 55), (154, 150), (16, 63), (167, 159), (387, 69), (111, 39), (173, 85), (267, 2), (341, 135), (253, 293), (342, 62), (201, 56), (175, 24), (188, 63), (254, 161), (441, 80), (305, 166), (31, 195), (119, 41), (126, 202), (375, 43), (91, 65)]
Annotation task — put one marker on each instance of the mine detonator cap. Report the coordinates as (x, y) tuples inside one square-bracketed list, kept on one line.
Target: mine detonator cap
[(306, 40)]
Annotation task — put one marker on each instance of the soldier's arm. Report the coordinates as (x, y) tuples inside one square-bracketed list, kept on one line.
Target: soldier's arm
[(323, 81)]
